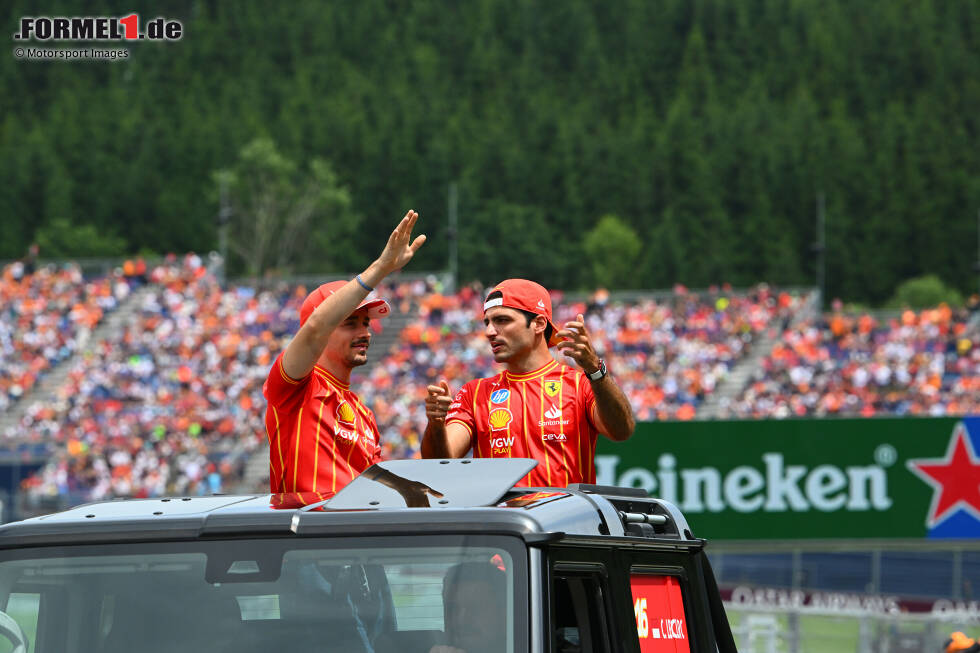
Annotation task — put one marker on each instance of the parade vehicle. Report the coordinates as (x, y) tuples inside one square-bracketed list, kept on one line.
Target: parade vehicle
[(412, 556)]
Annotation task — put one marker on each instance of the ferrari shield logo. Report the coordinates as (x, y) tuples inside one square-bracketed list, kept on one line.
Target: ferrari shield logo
[(552, 388)]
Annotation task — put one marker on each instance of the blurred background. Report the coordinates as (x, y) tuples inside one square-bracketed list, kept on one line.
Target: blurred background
[(769, 210)]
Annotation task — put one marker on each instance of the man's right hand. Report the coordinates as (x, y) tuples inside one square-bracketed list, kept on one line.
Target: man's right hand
[(437, 402), (441, 440), (400, 247)]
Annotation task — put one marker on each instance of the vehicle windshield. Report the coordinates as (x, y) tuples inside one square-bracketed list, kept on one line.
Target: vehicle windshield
[(364, 595)]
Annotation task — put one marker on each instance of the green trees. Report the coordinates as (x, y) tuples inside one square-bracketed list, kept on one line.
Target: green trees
[(708, 128), (612, 248), (924, 292), (284, 219), (59, 238)]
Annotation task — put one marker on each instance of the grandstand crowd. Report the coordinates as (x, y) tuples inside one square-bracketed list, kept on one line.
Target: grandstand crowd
[(170, 401), (44, 314), (925, 363)]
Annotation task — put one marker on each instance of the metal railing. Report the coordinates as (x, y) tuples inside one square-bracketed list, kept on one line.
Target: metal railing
[(775, 629)]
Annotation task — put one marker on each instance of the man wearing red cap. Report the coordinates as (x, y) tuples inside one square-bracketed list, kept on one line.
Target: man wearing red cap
[(321, 435), (536, 407)]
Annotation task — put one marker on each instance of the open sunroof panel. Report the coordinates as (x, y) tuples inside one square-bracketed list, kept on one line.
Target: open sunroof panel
[(460, 483)]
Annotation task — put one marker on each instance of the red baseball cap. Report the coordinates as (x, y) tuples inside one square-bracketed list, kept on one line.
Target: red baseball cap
[(524, 295), (377, 308)]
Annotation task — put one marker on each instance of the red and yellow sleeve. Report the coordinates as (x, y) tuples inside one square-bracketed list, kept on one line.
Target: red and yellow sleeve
[(279, 387), (462, 410)]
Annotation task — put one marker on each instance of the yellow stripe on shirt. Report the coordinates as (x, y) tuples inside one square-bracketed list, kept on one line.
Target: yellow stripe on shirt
[(476, 391), (282, 463), (316, 441), (544, 445), (299, 430), (285, 377), (561, 427)]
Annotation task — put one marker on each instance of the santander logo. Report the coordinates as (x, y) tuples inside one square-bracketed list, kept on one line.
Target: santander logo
[(553, 413)]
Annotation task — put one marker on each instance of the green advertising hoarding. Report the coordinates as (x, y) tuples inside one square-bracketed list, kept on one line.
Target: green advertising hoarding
[(819, 478)]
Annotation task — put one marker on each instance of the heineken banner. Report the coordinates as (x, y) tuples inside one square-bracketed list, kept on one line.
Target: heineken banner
[(820, 478)]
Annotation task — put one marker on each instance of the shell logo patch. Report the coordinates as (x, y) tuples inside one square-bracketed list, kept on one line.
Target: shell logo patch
[(500, 418), (551, 388), (345, 413)]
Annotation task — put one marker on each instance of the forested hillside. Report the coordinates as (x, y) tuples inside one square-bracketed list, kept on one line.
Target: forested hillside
[(706, 128)]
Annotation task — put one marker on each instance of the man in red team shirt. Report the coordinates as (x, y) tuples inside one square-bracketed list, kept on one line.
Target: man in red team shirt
[(536, 407), (320, 433)]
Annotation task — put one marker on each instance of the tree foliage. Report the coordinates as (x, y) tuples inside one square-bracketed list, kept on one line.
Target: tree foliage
[(925, 292), (612, 248), (283, 219), (62, 239), (708, 127)]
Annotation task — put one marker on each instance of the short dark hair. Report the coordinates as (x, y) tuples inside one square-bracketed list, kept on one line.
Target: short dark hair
[(528, 315)]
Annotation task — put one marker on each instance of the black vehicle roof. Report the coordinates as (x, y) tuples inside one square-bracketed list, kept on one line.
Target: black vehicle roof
[(462, 496)]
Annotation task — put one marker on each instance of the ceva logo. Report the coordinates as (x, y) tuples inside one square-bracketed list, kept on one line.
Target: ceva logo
[(955, 480)]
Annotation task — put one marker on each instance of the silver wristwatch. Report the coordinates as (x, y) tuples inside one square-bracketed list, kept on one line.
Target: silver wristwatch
[(599, 373)]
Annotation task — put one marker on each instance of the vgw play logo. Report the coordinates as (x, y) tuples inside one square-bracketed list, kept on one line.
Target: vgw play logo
[(955, 480)]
